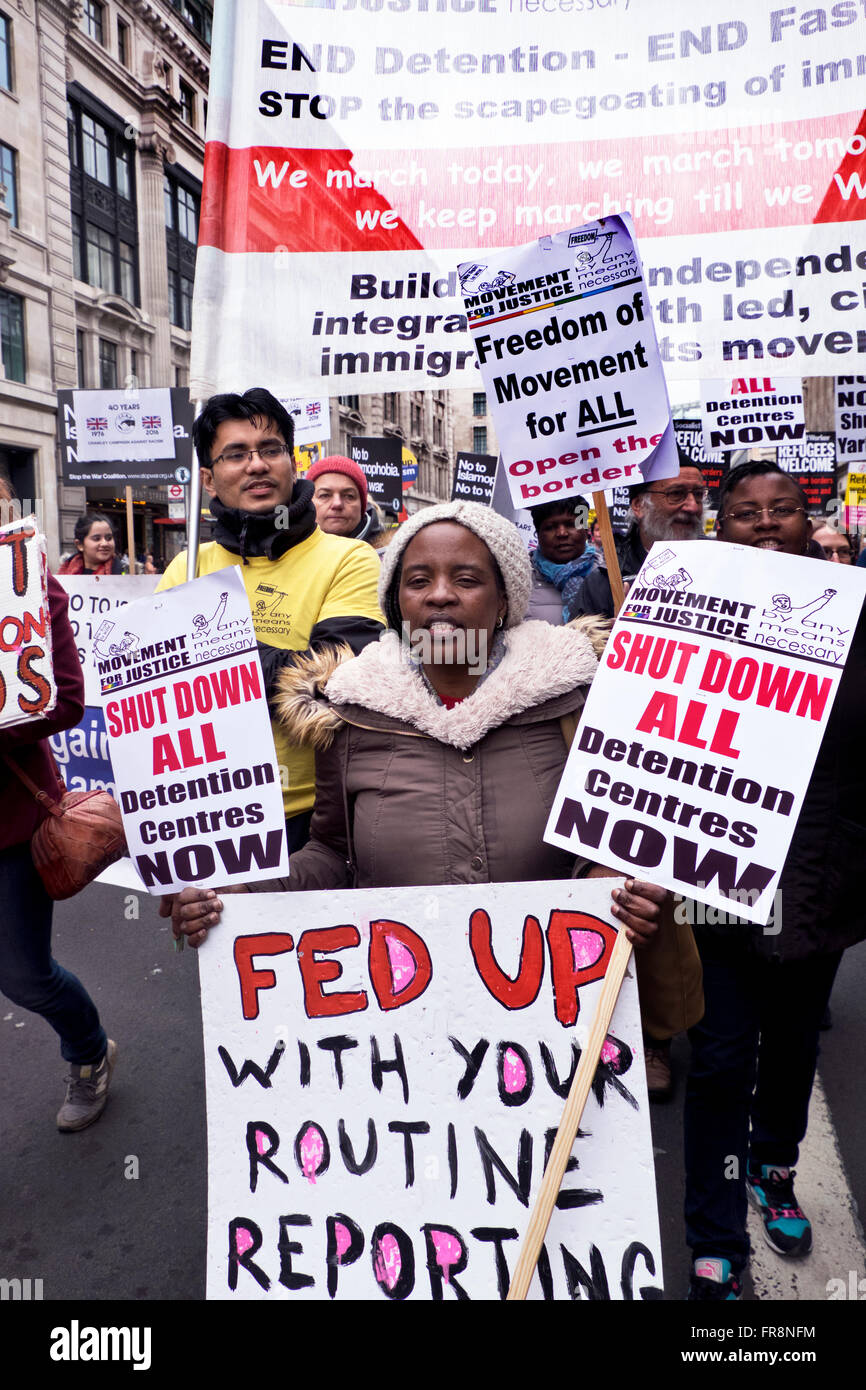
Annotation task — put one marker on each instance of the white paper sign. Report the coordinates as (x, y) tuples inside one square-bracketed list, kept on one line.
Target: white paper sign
[(123, 426), (97, 623), (751, 412), (850, 418), (27, 685), (190, 739), (382, 1097), (567, 350), (697, 742), (311, 417)]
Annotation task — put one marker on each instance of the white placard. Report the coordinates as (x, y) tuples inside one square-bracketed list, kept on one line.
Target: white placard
[(850, 418), (751, 412), (697, 741), (311, 417), (94, 601), (567, 351), (190, 739), (381, 1097), (27, 685), (123, 426)]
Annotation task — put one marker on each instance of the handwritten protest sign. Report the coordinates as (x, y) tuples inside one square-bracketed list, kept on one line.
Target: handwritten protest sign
[(567, 351), (385, 1072), (697, 742), (751, 412), (851, 417), (27, 685), (474, 477), (191, 741), (95, 601)]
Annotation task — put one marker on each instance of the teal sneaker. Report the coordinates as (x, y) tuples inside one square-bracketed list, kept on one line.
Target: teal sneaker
[(771, 1191), (714, 1280)]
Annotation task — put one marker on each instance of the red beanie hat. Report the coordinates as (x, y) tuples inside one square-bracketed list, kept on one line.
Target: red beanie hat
[(338, 463)]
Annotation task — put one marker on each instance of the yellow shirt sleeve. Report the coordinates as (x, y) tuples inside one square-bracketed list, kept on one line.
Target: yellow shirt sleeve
[(353, 591)]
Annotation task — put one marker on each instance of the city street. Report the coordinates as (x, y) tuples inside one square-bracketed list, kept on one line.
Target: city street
[(118, 1212)]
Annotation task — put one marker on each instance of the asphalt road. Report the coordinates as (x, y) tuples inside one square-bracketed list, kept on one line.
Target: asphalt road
[(118, 1211)]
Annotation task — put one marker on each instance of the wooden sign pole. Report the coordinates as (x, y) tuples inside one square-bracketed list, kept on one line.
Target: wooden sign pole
[(568, 1125), (130, 530), (583, 1078)]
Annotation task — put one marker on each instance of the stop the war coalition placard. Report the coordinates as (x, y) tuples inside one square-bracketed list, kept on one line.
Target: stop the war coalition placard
[(698, 739), (190, 739), (386, 1070), (567, 350)]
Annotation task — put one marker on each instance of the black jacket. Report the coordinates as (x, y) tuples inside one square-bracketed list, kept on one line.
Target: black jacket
[(594, 595)]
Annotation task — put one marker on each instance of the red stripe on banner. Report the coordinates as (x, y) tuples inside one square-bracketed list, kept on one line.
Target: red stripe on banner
[(269, 199), (794, 174)]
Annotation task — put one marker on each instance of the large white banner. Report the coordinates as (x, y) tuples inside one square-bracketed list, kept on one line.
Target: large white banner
[(27, 684), (190, 739), (386, 1070), (356, 153), (698, 738)]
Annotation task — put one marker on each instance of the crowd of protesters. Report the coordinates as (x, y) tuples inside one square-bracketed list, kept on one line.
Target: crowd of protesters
[(379, 701)]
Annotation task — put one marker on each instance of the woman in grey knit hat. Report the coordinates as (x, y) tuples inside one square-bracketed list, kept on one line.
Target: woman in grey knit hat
[(440, 747)]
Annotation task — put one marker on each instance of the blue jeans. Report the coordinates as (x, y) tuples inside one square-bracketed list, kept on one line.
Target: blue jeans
[(29, 975), (747, 1097)]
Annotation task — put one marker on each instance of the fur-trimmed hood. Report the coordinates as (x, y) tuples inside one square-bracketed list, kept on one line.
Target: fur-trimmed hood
[(540, 662)]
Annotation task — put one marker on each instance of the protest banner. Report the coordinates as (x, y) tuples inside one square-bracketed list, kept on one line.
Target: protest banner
[(311, 418), (751, 412), (812, 462), (713, 463), (855, 502), (95, 601), (619, 508), (698, 738), (851, 417), (351, 164), (125, 436), (379, 1121), (474, 477), (381, 462), (190, 739), (27, 684), (577, 390)]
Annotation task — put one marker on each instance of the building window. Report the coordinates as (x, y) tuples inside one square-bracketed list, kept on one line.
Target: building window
[(5, 53), (94, 14), (416, 421), (107, 365), (390, 407), (103, 201), (12, 335), (479, 439), (198, 15), (133, 382), (123, 42), (187, 103), (479, 403), (81, 358), (182, 203), (7, 177), (350, 402)]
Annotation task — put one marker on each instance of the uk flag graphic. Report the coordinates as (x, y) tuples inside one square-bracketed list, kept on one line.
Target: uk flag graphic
[(97, 423)]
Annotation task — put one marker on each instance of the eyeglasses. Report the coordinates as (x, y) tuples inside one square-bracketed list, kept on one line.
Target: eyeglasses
[(676, 496), (749, 515), (840, 550), (268, 453)]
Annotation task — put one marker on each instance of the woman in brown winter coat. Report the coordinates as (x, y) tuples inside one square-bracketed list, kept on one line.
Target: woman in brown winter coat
[(440, 747)]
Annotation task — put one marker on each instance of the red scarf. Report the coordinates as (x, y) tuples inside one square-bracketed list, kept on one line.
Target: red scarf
[(75, 565)]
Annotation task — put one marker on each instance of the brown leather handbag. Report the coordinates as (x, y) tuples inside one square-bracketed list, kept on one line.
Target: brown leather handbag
[(81, 835)]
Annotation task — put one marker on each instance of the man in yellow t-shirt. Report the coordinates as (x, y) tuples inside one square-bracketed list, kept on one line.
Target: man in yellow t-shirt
[(306, 588)]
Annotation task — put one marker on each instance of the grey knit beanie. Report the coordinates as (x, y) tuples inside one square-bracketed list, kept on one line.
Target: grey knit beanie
[(501, 537)]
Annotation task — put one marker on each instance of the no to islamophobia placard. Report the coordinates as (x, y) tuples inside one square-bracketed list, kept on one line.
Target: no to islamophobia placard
[(386, 1070), (190, 739), (27, 684), (567, 350), (697, 742)]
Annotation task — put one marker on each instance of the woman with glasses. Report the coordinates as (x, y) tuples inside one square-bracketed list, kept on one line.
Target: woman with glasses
[(836, 545), (766, 988)]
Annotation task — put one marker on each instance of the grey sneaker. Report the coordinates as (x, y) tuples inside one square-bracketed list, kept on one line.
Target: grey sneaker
[(86, 1092)]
